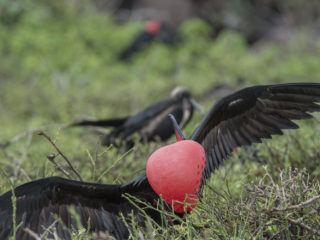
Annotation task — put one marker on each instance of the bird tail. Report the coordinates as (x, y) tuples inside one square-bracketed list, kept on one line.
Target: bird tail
[(116, 122)]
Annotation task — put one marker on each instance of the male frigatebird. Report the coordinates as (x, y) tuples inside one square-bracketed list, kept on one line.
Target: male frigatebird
[(152, 123), (153, 30), (177, 172)]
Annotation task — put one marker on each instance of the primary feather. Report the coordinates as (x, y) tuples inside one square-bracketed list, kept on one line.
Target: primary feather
[(41, 202), (251, 114)]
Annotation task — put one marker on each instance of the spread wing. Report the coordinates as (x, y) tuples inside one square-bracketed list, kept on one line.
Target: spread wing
[(40, 203), (250, 114)]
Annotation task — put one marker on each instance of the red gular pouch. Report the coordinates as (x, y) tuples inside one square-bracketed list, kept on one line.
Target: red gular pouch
[(175, 172), (153, 27)]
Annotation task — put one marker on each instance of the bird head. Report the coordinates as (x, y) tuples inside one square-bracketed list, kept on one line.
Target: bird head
[(181, 92), (174, 171)]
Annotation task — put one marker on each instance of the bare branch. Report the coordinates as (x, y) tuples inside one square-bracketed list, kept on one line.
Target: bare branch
[(32, 233), (61, 153), (51, 227), (51, 159), (301, 224), (300, 205), (30, 131)]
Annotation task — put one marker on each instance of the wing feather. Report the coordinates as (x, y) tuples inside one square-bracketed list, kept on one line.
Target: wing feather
[(251, 114), (41, 202)]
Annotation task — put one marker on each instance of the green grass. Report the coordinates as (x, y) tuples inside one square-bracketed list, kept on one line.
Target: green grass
[(59, 62)]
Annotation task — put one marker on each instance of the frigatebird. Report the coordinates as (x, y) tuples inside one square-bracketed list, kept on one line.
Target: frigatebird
[(177, 172), (152, 123), (153, 30)]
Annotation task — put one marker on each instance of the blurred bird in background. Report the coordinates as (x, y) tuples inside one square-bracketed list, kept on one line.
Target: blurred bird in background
[(153, 31), (152, 123)]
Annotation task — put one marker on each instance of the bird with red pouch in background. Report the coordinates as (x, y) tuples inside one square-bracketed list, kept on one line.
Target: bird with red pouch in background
[(177, 172), (153, 30)]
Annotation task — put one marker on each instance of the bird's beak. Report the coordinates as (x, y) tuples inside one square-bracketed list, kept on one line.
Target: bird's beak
[(197, 106), (177, 129)]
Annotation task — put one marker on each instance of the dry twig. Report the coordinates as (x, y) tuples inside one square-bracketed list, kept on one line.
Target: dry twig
[(300, 205), (61, 153), (301, 224), (51, 158), (30, 131)]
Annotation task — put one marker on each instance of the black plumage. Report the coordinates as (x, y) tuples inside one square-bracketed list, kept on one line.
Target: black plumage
[(251, 114), (152, 123), (241, 118), (39, 201), (159, 31)]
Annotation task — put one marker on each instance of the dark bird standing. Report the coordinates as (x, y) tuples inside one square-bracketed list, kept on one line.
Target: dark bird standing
[(152, 123), (239, 119)]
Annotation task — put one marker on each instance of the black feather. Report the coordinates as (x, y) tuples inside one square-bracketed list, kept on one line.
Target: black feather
[(151, 123), (39, 201), (251, 114)]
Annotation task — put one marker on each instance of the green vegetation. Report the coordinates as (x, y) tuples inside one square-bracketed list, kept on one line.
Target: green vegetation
[(60, 61)]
